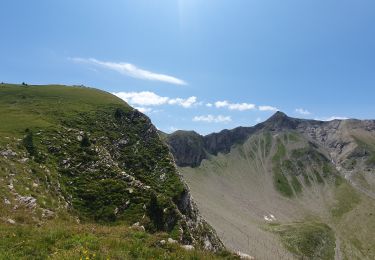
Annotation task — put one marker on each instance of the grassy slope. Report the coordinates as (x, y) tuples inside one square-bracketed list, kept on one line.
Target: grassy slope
[(43, 106), (69, 240), (300, 185), (56, 115)]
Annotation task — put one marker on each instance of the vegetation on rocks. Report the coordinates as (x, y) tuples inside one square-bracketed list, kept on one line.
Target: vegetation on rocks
[(86, 153)]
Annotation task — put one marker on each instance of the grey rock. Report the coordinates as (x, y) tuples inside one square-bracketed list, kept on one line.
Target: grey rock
[(11, 221), (29, 202), (8, 153), (187, 247), (172, 241)]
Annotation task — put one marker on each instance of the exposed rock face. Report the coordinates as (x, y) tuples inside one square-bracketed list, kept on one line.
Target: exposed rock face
[(222, 142), (189, 146)]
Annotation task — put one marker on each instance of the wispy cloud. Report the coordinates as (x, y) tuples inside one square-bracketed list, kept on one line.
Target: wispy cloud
[(132, 71), (267, 108), (188, 102), (212, 119), (241, 106), (148, 98), (302, 111), (331, 118), (235, 106)]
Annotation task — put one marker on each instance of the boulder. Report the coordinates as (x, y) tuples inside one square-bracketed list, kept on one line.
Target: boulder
[(187, 247), (172, 241)]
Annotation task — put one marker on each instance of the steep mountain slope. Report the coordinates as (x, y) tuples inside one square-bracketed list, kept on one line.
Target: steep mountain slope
[(79, 153), (289, 188)]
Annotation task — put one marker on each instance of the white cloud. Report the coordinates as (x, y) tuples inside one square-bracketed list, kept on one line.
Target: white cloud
[(219, 104), (258, 120), (302, 111), (212, 119), (148, 98), (144, 98), (267, 108), (241, 106), (234, 106), (144, 109), (331, 118), (183, 102), (209, 105), (132, 71)]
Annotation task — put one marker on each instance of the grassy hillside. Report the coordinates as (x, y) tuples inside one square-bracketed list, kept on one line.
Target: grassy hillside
[(45, 106), (69, 240), (76, 153)]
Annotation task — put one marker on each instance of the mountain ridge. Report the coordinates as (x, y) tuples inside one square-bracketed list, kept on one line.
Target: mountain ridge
[(221, 142), (292, 181)]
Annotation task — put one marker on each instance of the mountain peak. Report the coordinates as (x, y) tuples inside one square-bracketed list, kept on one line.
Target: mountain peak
[(280, 120), (278, 115)]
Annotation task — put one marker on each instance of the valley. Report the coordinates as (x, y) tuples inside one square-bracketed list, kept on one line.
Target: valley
[(285, 192)]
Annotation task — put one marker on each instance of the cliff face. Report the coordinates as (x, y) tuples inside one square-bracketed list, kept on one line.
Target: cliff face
[(189, 146), (91, 155)]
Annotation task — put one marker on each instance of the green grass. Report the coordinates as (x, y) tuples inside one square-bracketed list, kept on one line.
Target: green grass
[(280, 152), (318, 177), (346, 198), (306, 179), (68, 240), (294, 137), (281, 183), (307, 240), (369, 146), (43, 106), (296, 184), (268, 143)]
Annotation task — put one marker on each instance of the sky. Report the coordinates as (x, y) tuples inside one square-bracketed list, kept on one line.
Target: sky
[(200, 65)]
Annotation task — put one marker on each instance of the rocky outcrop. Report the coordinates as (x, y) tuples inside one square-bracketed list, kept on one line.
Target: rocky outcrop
[(188, 146)]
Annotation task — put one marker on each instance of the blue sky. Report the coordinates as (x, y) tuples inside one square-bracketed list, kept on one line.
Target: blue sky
[(201, 65)]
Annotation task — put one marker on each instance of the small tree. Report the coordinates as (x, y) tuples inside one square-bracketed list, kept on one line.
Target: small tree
[(119, 113), (29, 143), (155, 212), (85, 141)]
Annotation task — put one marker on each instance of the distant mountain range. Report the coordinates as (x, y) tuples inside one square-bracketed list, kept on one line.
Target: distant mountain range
[(309, 184)]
